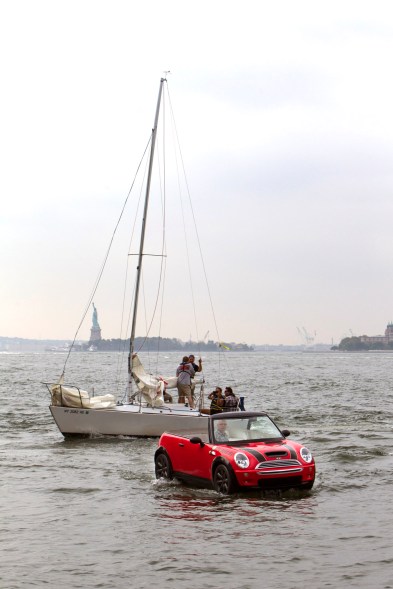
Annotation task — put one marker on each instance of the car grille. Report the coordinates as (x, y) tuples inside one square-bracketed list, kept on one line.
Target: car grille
[(278, 463), (280, 483)]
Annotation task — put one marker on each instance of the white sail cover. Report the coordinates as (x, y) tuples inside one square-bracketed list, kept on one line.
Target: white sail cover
[(65, 396), (153, 387)]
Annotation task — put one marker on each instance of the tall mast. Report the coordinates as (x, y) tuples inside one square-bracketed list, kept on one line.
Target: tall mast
[(140, 256)]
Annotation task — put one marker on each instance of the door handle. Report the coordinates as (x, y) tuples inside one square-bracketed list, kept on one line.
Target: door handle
[(181, 445)]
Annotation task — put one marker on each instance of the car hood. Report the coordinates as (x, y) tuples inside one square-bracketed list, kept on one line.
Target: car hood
[(266, 451)]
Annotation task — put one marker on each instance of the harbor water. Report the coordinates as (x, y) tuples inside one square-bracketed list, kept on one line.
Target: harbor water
[(88, 513)]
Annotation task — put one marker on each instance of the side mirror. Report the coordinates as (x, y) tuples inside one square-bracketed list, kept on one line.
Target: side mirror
[(285, 432), (197, 440)]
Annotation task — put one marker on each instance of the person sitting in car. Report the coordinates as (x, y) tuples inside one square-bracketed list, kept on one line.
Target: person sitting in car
[(221, 433)]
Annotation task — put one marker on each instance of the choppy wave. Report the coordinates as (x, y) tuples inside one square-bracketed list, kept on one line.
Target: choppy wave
[(90, 513)]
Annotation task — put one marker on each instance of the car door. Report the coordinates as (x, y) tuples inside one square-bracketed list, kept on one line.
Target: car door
[(193, 460)]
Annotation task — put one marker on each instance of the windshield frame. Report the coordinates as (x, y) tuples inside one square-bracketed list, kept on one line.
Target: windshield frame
[(248, 420)]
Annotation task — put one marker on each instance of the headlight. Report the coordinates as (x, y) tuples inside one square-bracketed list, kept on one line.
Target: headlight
[(306, 455), (242, 460)]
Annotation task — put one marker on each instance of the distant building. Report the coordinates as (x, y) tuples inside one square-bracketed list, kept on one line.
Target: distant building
[(95, 332), (379, 339)]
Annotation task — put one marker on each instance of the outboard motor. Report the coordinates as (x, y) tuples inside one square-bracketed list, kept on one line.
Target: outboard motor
[(241, 404)]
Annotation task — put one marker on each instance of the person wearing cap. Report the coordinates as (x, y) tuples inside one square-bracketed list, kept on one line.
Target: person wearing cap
[(184, 373), (197, 368)]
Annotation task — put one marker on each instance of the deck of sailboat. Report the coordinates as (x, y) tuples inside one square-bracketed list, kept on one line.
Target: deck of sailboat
[(177, 408)]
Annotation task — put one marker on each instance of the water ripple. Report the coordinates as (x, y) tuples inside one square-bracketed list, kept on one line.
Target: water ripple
[(89, 513)]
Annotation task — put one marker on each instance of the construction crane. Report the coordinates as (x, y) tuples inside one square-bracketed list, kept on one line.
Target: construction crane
[(308, 339)]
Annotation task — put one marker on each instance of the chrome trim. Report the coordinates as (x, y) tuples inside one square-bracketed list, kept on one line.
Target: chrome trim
[(279, 463), (286, 471)]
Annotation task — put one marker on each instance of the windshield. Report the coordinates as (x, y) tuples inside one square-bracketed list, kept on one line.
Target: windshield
[(245, 429)]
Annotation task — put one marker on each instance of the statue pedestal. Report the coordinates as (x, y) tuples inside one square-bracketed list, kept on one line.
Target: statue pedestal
[(95, 334)]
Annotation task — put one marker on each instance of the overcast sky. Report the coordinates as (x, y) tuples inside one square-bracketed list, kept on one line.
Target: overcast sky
[(284, 110)]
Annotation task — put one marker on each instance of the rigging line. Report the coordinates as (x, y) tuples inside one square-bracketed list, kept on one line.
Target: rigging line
[(162, 184), (127, 328), (123, 351), (162, 307), (193, 216), (122, 347), (158, 291), (123, 343), (105, 258), (123, 357), (154, 310), (163, 200), (184, 224), (188, 259), (155, 306), (145, 313), (197, 233)]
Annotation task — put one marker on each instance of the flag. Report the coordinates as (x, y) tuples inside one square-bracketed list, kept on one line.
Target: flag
[(221, 345)]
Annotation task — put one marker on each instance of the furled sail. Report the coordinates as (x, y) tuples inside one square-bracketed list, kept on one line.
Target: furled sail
[(67, 396), (153, 387)]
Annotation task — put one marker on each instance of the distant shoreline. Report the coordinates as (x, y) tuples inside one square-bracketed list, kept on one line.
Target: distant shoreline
[(16, 344), (115, 345)]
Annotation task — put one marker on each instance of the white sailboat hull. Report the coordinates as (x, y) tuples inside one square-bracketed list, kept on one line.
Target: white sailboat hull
[(128, 420)]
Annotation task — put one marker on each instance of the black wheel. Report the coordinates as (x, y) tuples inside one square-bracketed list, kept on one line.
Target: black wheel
[(224, 480), (163, 466)]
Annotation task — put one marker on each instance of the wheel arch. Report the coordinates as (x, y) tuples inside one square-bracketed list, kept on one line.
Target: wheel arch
[(233, 483), (220, 460), (163, 464), (160, 450)]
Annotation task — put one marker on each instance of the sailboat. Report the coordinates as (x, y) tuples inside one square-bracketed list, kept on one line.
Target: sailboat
[(146, 412)]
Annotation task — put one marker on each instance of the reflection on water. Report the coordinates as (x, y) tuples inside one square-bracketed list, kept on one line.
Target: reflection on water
[(203, 505)]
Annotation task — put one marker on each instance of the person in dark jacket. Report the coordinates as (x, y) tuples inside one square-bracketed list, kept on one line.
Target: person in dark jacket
[(217, 401)]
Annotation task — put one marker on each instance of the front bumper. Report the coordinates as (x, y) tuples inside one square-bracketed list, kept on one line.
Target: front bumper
[(277, 478)]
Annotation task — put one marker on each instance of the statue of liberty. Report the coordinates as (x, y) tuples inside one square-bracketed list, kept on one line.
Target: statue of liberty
[(95, 318), (95, 331)]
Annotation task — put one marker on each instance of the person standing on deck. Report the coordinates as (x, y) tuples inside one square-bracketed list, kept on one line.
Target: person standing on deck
[(185, 371), (197, 368)]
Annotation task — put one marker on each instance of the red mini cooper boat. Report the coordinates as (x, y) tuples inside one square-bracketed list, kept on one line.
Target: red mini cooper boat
[(243, 450)]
